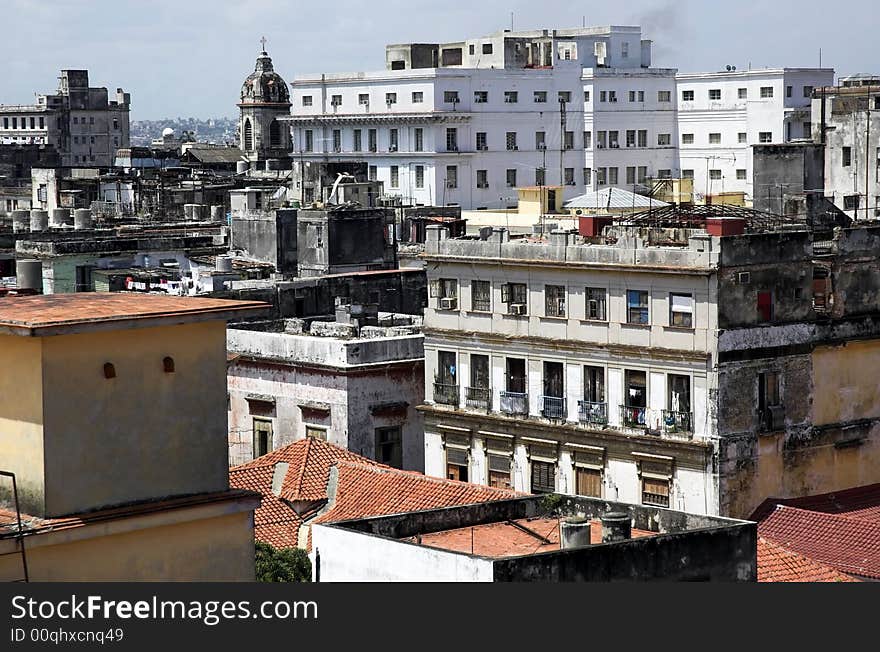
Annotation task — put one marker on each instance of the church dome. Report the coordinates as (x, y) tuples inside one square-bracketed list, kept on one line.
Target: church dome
[(264, 85)]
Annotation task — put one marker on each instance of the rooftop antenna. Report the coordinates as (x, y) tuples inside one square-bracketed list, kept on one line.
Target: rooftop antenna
[(511, 21)]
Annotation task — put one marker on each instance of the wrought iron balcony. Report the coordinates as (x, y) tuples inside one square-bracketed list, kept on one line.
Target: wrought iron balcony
[(593, 413), (677, 423), (445, 394), (633, 416), (514, 403), (553, 407), (479, 398)]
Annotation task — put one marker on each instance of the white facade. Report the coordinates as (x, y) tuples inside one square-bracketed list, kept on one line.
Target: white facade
[(626, 122)]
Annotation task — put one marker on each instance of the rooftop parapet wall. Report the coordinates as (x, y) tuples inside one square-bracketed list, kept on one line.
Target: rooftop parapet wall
[(324, 351)]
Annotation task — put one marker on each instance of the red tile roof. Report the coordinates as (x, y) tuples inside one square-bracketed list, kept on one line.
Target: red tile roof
[(847, 544), (364, 488), (779, 564), (862, 503), (64, 311)]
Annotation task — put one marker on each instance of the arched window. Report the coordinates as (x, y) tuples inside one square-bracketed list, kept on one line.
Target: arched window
[(248, 136), (275, 134)]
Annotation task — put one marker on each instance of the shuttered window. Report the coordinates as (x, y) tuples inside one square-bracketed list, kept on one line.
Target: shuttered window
[(457, 463), (499, 471), (543, 477), (589, 482), (655, 492)]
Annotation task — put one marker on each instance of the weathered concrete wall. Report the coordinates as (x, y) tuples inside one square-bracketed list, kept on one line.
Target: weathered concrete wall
[(143, 434), (269, 237)]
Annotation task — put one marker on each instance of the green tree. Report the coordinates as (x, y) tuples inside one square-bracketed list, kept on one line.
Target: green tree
[(282, 564)]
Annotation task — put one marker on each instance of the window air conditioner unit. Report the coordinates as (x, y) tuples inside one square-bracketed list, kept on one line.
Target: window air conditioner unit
[(449, 303), (517, 309)]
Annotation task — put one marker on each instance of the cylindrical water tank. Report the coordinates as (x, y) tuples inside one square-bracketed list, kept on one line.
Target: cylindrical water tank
[(29, 274), (21, 220), (223, 264), (242, 166), (216, 213), (574, 532), (616, 526), (39, 220), (59, 216), (82, 219)]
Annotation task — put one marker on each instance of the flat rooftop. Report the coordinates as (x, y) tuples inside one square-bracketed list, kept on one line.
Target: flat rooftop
[(516, 538), (62, 314)]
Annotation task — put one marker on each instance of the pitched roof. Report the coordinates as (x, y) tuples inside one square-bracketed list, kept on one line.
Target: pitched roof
[(862, 503), (363, 488), (847, 544), (779, 564)]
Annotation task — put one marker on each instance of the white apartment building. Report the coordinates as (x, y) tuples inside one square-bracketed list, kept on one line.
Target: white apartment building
[(81, 122), (466, 123)]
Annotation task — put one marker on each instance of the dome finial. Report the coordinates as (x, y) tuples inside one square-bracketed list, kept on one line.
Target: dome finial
[(263, 42)]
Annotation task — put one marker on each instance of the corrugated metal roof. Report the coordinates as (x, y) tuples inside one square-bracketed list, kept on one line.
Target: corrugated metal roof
[(613, 198)]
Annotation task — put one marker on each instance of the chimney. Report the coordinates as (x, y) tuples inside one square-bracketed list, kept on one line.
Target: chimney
[(616, 526)]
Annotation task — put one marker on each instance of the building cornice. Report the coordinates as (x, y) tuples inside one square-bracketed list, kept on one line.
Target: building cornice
[(376, 118), (678, 270)]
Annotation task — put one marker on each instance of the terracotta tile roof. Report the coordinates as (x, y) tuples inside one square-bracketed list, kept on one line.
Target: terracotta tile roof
[(364, 488), (845, 543), (58, 311), (862, 503), (779, 564), (508, 538)]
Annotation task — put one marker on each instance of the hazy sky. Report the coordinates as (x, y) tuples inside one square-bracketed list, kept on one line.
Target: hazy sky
[(189, 57)]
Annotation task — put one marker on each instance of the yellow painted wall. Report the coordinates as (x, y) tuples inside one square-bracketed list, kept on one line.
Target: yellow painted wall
[(21, 419), (143, 434), (213, 549), (846, 382)]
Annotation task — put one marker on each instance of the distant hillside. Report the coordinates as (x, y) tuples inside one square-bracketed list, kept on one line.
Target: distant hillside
[(212, 130)]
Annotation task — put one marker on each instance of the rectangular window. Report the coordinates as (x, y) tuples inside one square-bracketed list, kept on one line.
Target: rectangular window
[(588, 176), (540, 140), (482, 178), (594, 384), (499, 470), (262, 437), (389, 447), (664, 174), (554, 300), (687, 174), (765, 137), (715, 174), (564, 96), (637, 307), (373, 139), (687, 139), (715, 138), (655, 491), (451, 139), (511, 177), (336, 100), (372, 173), (741, 174), (419, 138), (568, 176), (510, 140), (851, 202), (643, 137), (742, 93), (807, 128), (789, 90), (487, 48), (356, 147), (540, 97), (847, 156), (511, 97), (631, 138), (482, 146), (612, 96), (395, 176), (516, 298), (452, 176), (765, 306), (420, 176), (603, 96), (481, 97), (643, 174), (568, 140), (310, 140), (595, 304), (766, 92), (612, 176), (586, 96), (390, 98), (588, 139), (714, 94), (540, 176), (631, 175), (742, 138), (681, 310), (364, 98), (601, 176), (664, 96), (418, 97), (589, 482), (543, 477), (393, 140), (601, 139), (613, 139), (337, 140), (456, 463), (481, 296), (808, 91), (687, 96), (664, 140), (450, 97)]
